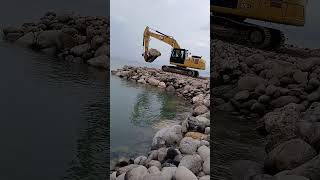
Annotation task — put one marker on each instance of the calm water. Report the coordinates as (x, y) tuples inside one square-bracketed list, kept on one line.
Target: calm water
[(137, 112), (53, 118), (234, 138)]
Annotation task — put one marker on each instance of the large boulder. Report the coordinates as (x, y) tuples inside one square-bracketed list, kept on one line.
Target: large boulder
[(310, 169), (289, 155), (27, 40), (201, 109), (136, 173), (189, 145), (182, 173), (55, 38), (167, 136), (310, 132), (250, 82), (192, 162), (100, 61), (80, 49), (284, 100), (313, 113)]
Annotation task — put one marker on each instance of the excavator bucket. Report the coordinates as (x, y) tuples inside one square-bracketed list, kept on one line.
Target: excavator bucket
[(151, 55)]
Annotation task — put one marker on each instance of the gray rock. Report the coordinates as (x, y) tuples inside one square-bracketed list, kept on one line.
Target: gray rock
[(200, 110), (154, 163), (258, 108), (103, 50), (198, 100), (121, 177), (245, 170), (189, 145), (284, 100), (242, 95), (207, 130), (80, 49), (54, 38), (207, 177), (313, 113), (192, 162), (113, 176), (204, 152), (154, 82), (162, 153), (100, 61), (254, 59), (264, 99), (270, 90), (167, 136), (250, 82), (154, 170), (204, 143), (310, 132), (289, 155), (206, 166), (314, 82), (310, 169), (290, 177), (140, 160), (27, 40), (170, 89), (300, 77), (125, 169), (136, 173), (168, 172), (182, 173), (154, 177)]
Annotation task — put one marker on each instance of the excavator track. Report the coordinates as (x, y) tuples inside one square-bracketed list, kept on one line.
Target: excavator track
[(251, 35), (180, 70)]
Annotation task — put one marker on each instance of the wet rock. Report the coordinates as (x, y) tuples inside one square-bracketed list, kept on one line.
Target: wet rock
[(289, 155), (100, 61), (167, 136)]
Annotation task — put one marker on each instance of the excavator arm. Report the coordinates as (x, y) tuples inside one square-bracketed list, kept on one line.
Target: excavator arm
[(150, 56)]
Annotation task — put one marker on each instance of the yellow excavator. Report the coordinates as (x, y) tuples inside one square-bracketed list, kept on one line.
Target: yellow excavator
[(228, 20), (179, 57)]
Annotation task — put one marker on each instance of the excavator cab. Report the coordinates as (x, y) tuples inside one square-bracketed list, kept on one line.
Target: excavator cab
[(178, 55)]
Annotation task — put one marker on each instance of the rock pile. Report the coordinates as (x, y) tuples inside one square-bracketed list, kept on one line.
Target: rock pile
[(69, 36), (180, 152), (284, 91), (251, 81)]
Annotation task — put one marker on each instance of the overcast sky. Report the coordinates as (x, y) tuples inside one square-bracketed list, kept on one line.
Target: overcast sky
[(186, 20)]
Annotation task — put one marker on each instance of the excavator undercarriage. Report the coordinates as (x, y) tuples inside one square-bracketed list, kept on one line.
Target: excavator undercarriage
[(180, 70), (240, 32)]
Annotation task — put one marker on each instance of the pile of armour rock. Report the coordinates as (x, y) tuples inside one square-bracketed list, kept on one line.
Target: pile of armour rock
[(180, 152), (283, 91), (69, 36)]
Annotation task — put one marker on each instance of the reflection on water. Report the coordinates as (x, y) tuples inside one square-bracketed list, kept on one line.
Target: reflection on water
[(137, 111), (92, 147), (234, 138), (53, 118)]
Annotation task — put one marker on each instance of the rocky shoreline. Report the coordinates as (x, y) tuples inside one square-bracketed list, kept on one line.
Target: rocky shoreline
[(282, 91), (71, 37), (180, 152)]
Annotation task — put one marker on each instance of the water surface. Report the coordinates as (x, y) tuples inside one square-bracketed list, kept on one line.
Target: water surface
[(53, 117)]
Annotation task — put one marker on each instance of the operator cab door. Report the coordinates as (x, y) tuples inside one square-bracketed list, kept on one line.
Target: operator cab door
[(178, 56)]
